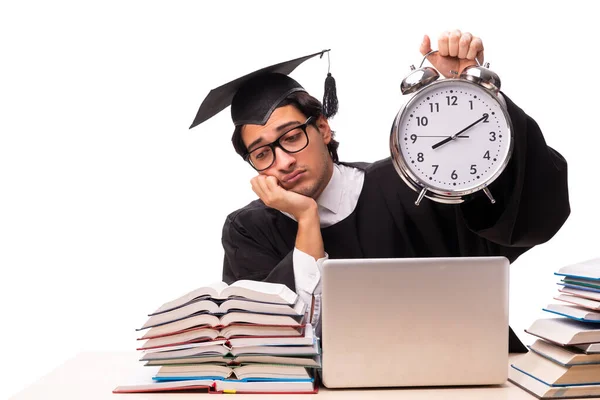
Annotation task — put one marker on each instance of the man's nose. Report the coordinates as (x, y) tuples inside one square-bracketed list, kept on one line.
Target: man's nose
[(283, 160)]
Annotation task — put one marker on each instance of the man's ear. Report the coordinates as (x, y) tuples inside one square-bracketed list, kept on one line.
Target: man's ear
[(323, 126)]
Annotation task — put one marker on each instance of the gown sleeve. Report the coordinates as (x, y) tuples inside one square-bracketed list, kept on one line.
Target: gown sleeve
[(532, 198), (532, 192), (254, 250)]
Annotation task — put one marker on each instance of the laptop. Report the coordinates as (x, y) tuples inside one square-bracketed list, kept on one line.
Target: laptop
[(415, 322)]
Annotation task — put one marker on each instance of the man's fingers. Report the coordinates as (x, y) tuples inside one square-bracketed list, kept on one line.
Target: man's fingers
[(256, 186), (263, 185), (267, 189), (476, 50), (464, 45), (443, 40), (271, 183), (453, 42), (425, 45)]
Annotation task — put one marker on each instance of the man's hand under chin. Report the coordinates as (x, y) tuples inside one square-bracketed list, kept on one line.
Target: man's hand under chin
[(304, 209), (273, 195)]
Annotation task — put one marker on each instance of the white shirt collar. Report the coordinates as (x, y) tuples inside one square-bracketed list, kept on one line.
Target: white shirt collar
[(331, 197)]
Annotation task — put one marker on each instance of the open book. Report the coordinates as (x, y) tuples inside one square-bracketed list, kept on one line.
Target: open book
[(574, 312), (582, 293), (251, 290), (565, 331), (592, 348), (144, 383), (578, 286), (214, 321), (589, 270), (563, 355), (219, 386), (220, 350), (218, 308), (584, 302), (553, 374), (249, 372), (304, 340), (313, 361), (590, 283), (543, 391), (229, 332)]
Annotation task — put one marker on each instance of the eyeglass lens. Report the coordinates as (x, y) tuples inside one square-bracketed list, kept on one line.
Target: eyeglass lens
[(292, 142)]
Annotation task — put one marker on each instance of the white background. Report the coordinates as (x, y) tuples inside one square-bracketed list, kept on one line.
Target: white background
[(110, 206)]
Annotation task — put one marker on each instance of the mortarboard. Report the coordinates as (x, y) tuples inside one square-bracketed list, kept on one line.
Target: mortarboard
[(255, 96)]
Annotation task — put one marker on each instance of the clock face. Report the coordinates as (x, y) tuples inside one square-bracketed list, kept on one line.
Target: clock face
[(454, 137)]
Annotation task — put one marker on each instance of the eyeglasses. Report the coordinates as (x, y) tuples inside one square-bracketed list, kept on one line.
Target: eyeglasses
[(292, 141)]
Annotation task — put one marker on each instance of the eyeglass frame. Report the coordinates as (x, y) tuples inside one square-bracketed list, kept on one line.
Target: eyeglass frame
[(276, 143)]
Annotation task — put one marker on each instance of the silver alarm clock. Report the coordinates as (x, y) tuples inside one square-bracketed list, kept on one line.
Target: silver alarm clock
[(453, 137)]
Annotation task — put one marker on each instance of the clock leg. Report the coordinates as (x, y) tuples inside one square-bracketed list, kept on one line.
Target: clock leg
[(489, 195), (421, 195)]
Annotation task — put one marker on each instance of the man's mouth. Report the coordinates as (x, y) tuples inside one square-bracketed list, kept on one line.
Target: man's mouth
[(293, 177)]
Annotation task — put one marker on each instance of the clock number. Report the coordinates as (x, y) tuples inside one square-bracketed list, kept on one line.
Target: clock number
[(435, 167), (420, 157), (471, 103), (487, 155), (485, 118), (422, 121), (435, 106), (452, 100), (413, 137), (492, 136), (473, 169), (454, 175)]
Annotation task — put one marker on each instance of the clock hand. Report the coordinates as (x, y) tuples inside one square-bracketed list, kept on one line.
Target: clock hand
[(450, 138), (444, 136)]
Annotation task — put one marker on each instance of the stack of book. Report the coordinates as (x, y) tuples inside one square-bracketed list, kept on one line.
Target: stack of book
[(248, 337), (564, 361)]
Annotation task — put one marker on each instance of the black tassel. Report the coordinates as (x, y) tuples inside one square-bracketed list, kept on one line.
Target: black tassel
[(330, 101)]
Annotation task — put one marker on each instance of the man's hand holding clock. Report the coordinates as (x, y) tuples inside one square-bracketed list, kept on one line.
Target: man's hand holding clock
[(456, 51), (467, 108)]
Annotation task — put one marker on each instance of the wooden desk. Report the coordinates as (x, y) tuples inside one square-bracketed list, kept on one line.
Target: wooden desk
[(91, 376)]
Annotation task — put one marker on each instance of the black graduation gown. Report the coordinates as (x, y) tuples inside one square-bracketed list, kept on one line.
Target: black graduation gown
[(531, 205)]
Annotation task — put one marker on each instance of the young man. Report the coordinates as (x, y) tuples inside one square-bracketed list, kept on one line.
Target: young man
[(311, 206)]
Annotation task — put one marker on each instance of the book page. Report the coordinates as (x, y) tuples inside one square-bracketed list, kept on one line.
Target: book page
[(573, 312), (564, 330), (542, 390), (259, 330), (241, 342), (592, 348), (239, 304), (586, 294), (182, 325), (181, 312), (180, 338), (213, 290), (587, 269), (185, 346), (583, 302), (314, 362), (270, 371), (213, 350), (264, 387), (271, 289), (301, 350), (259, 319), (202, 371), (142, 381)]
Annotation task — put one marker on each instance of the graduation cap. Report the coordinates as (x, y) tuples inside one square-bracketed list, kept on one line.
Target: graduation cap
[(255, 96)]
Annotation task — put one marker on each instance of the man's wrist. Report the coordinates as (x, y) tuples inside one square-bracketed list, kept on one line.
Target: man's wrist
[(309, 215)]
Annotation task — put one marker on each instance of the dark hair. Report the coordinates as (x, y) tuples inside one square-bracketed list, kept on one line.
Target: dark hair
[(307, 105)]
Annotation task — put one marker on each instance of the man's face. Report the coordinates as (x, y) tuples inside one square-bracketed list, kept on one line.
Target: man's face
[(306, 172)]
